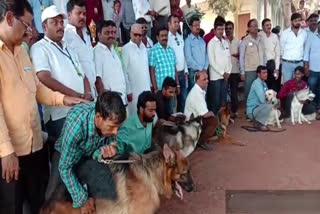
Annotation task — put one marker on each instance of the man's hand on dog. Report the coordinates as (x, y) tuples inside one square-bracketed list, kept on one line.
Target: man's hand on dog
[(89, 207), (109, 151), (10, 167)]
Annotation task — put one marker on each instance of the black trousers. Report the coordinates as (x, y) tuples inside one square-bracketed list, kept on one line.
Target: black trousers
[(234, 81), (272, 82), (30, 187)]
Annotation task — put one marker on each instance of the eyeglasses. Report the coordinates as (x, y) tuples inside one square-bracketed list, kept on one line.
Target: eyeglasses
[(137, 34), (29, 28)]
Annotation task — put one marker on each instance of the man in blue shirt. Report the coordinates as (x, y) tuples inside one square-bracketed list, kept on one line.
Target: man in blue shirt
[(195, 52), (38, 6), (312, 64), (258, 109)]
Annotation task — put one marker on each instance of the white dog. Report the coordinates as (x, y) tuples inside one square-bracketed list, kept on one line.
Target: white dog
[(297, 104), (271, 97)]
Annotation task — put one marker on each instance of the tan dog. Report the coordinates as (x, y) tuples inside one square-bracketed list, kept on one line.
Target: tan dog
[(224, 115), (138, 186)]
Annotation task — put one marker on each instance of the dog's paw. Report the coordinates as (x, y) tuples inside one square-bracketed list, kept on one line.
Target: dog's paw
[(309, 122)]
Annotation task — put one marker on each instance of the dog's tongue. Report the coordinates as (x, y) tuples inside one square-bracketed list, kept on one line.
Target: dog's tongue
[(179, 191)]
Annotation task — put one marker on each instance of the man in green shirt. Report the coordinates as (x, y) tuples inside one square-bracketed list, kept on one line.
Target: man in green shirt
[(88, 132), (135, 134)]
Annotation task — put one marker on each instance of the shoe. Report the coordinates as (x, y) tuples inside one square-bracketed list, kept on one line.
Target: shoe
[(205, 146), (260, 126)]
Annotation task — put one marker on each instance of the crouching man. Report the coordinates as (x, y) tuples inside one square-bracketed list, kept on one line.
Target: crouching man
[(196, 105), (87, 133), (135, 135), (258, 109)]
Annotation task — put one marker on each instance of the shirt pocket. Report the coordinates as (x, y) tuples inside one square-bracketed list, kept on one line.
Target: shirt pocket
[(29, 78)]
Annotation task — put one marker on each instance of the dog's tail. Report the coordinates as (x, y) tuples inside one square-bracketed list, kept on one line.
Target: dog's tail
[(256, 129)]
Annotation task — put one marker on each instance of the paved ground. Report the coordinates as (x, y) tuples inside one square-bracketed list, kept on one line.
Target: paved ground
[(269, 161)]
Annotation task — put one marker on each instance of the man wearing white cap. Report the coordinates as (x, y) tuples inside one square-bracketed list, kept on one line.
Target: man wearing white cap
[(78, 38), (57, 66)]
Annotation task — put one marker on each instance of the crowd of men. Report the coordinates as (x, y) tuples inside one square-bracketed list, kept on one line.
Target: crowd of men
[(48, 60)]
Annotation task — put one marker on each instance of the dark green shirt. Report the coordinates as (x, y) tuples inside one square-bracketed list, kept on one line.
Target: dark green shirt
[(133, 136), (79, 138)]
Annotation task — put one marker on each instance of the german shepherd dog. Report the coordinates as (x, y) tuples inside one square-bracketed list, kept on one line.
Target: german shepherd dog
[(182, 136), (133, 188), (224, 116)]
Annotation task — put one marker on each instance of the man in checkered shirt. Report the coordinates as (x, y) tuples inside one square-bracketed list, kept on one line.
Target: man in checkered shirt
[(162, 61)]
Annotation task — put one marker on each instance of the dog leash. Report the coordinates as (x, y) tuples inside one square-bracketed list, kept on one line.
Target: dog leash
[(109, 161)]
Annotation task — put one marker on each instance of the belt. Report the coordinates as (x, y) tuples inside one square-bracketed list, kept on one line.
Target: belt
[(292, 61)]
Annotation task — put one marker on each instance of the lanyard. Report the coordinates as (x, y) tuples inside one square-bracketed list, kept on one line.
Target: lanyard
[(68, 55)]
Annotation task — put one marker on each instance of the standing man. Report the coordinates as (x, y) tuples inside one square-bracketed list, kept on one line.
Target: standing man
[(176, 42), (312, 24), (207, 38), (78, 38), (145, 38), (128, 19), (312, 64), (58, 68), (136, 67), (24, 162), (163, 10), (219, 69), (162, 61), (234, 78), (271, 53), (292, 43), (195, 52), (94, 10), (105, 58), (38, 7), (251, 56), (142, 9), (186, 9)]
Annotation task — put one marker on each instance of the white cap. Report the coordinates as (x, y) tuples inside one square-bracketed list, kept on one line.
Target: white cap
[(51, 12)]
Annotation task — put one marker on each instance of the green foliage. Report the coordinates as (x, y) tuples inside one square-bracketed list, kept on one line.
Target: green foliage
[(221, 7)]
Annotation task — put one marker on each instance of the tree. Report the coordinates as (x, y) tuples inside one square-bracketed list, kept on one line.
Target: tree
[(220, 7)]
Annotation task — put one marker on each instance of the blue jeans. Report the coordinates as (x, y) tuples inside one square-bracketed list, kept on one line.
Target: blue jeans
[(314, 84), (288, 70), (191, 79), (217, 95), (183, 92)]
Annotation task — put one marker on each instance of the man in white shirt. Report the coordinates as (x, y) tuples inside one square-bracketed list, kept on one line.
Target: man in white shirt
[(234, 78), (142, 9), (78, 38), (292, 42), (136, 67), (163, 10), (58, 68), (176, 42), (271, 54), (110, 75), (196, 105), (145, 38), (219, 69)]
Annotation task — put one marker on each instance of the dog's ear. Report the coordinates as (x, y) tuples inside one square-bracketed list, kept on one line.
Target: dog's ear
[(168, 154)]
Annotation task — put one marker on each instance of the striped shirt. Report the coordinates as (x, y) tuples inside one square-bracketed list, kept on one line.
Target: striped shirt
[(79, 139), (164, 62)]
